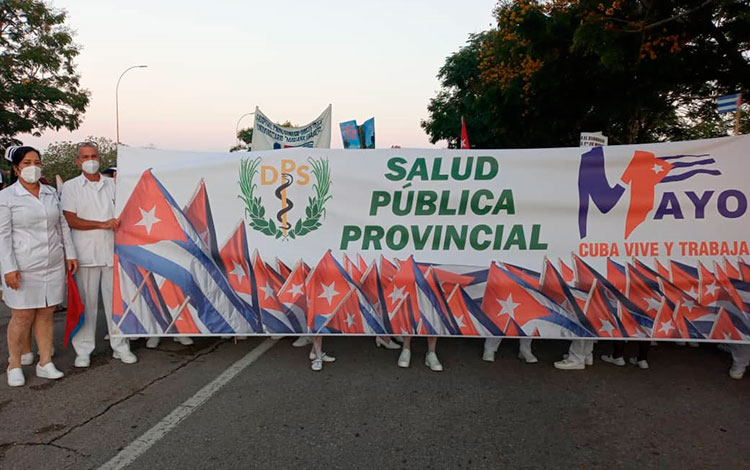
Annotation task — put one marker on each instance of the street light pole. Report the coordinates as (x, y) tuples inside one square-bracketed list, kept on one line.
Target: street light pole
[(117, 97), (237, 127)]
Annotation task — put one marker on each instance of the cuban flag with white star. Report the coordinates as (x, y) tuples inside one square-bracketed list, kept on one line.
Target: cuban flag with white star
[(156, 236)]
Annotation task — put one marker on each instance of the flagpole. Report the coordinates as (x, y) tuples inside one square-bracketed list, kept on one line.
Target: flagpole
[(130, 306), (180, 311)]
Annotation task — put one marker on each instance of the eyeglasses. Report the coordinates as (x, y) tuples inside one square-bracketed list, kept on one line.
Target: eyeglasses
[(80, 145)]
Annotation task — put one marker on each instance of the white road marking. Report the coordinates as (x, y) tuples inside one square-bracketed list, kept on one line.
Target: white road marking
[(139, 446)]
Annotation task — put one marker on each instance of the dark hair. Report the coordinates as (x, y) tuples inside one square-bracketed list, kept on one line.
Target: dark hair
[(17, 154)]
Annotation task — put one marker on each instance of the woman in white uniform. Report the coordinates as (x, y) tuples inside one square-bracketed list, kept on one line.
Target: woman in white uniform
[(34, 244)]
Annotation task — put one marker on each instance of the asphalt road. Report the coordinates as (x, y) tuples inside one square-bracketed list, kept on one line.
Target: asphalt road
[(364, 412)]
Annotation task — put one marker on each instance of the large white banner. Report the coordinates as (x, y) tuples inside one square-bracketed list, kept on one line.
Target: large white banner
[(641, 241), (268, 135)]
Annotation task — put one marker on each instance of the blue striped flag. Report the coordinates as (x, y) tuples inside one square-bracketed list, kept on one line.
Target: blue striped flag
[(729, 103)]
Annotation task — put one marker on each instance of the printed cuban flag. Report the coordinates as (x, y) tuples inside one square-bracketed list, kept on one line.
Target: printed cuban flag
[(236, 260), (524, 309), (471, 319), (336, 304), (691, 319), (728, 103), (601, 314), (433, 318), (730, 327), (184, 318), (573, 300), (744, 270), (156, 236), (616, 274), (198, 213), (372, 287), (567, 273), (643, 292), (293, 297), (282, 269), (662, 270), (265, 285)]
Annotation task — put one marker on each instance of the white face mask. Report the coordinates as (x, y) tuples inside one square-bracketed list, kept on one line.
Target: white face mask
[(31, 174), (90, 166)]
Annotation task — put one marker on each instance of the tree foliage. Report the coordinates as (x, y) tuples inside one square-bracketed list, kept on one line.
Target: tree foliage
[(640, 71), (39, 85), (245, 137), (59, 158)]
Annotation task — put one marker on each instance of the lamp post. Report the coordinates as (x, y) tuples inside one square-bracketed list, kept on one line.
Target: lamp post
[(117, 97), (237, 127)]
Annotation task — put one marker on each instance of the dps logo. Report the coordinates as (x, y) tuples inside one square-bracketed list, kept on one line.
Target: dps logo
[(280, 176)]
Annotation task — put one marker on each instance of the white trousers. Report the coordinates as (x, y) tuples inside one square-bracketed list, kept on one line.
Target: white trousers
[(90, 281), (579, 349), (491, 344), (740, 355)]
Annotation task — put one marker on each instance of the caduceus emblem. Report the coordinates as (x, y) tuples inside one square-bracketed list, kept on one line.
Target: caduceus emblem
[(281, 226), (286, 203)]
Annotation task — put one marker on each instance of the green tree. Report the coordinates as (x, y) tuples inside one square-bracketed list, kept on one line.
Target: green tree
[(640, 71), (40, 87), (59, 158), (245, 137)]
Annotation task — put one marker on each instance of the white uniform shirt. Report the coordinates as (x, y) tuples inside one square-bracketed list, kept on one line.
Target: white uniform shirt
[(33, 233), (95, 201)]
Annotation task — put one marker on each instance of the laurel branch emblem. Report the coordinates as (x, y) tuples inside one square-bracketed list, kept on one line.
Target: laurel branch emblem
[(315, 210)]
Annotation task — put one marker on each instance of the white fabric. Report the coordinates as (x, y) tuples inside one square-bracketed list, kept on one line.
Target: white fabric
[(492, 344), (35, 240), (91, 281), (740, 355), (579, 350), (268, 135), (93, 201)]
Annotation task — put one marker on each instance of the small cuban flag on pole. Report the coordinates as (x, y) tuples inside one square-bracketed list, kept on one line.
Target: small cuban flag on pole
[(728, 104)]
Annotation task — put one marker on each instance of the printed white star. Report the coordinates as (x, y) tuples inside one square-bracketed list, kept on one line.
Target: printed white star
[(693, 292), (607, 327), (148, 219), (173, 311), (329, 292), (397, 294), (460, 321), (657, 168), (508, 305), (463, 143), (238, 271), (690, 304), (727, 336), (711, 288), (666, 327), (295, 290), (653, 303), (267, 290), (349, 319)]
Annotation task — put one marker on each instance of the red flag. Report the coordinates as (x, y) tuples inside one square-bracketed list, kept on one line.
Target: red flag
[(464, 135), (74, 316), (744, 270), (567, 274)]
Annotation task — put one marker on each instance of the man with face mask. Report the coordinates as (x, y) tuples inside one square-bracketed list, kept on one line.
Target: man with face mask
[(88, 203)]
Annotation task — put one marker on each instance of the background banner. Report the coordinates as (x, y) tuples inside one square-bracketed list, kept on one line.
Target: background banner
[(622, 242), (268, 135)]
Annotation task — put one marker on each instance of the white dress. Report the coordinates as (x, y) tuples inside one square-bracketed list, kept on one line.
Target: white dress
[(35, 240)]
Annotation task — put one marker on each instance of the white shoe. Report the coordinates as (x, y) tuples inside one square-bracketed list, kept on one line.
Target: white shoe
[(26, 359), (693, 344), (589, 361), (16, 378), (48, 372), (82, 361), (488, 355), (126, 356), (316, 365), (567, 364), (528, 357), (379, 342), (431, 361), (680, 343), (734, 372), (278, 337), (618, 361), (326, 357), (302, 341), (642, 364), (184, 340), (106, 337), (404, 358), (153, 342), (654, 343)]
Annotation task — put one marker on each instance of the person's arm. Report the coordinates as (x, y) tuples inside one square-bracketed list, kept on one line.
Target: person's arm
[(78, 223), (7, 257)]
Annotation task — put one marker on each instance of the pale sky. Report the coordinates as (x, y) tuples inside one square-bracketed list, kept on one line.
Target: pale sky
[(211, 62)]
